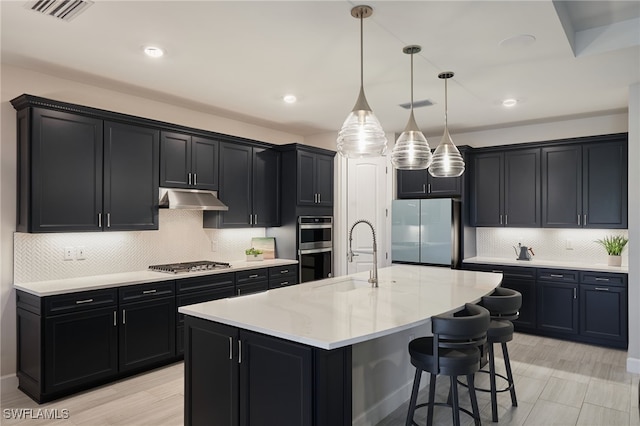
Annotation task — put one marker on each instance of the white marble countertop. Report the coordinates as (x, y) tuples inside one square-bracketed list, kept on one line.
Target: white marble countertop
[(538, 263), (345, 310), (94, 282)]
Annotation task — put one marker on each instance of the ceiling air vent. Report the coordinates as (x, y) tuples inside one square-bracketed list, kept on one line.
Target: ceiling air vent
[(417, 104), (61, 9)]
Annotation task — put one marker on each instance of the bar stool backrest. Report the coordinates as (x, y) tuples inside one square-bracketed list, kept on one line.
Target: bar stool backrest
[(464, 329), (503, 303)]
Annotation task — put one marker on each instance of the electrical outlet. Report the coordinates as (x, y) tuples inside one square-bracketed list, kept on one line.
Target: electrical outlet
[(568, 244), (81, 253), (214, 245), (68, 253)]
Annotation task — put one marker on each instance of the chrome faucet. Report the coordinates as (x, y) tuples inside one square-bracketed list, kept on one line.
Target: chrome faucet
[(373, 275)]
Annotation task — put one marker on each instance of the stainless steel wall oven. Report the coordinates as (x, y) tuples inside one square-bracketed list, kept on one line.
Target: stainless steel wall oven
[(315, 247)]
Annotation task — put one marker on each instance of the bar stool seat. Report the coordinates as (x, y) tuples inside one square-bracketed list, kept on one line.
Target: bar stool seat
[(500, 331), (452, 351)]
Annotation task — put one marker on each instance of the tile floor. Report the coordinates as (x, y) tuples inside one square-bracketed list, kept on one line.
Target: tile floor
[(557, 383)]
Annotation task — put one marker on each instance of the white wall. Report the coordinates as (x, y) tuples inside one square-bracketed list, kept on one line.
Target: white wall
[(633, 355)]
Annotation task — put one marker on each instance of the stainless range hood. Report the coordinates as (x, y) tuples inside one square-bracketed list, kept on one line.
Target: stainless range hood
[(190, 199)]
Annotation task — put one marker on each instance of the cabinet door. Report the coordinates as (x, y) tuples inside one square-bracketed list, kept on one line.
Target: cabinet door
[(562, 187), (603, 312), (526, 287), (266, 187), (66, 172), (306, 178), (211, 373), (147, 333), (235, 184), (444, 187), (522, 188), (80, 348), (412, 183), (324, 180), (275, 381), (204, 163), (558, 307), (604, 199), (130, 177), (175, 160), (487, 191)]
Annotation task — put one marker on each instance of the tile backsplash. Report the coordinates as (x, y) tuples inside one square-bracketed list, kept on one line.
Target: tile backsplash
[(570, 245), (181, 238)]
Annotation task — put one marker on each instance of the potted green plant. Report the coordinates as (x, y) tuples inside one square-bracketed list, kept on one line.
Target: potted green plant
[(614, 244), (253, 254)]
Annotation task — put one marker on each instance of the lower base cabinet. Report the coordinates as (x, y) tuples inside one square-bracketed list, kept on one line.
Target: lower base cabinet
[(558, 307), (239, 377), (598, 307)]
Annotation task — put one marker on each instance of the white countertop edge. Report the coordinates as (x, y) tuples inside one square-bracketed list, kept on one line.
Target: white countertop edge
[(535, 263), (97, 282)]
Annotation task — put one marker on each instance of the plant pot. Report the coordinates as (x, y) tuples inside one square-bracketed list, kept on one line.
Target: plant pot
[(614, 260), (252, 257)]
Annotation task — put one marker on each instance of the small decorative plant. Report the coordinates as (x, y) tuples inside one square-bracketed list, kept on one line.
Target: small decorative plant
[(253, 254), (614, 244)]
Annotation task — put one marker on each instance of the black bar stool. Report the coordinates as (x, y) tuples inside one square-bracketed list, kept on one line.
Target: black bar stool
[(452, 351), (503, 304)]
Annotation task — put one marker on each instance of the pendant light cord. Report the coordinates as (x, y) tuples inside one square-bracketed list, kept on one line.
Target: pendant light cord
[(411, 82), (361, 50), (445, 103)]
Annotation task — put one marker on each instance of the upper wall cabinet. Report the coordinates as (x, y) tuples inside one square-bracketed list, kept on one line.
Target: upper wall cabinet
[(505, 188), (188, 162), (249, 186), (77, 172), (420, 184), (585, 185)]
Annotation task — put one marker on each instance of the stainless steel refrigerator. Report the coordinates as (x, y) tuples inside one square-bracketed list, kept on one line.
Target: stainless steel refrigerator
[(423, 231)]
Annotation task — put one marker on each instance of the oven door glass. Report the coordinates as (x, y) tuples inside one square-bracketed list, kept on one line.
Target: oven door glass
[(315, 264), (315, 236)]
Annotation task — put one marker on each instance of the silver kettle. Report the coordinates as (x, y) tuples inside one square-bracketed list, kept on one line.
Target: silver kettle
[(523, 252)]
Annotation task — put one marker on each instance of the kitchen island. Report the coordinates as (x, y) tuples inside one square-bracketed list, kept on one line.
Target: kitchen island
[(289, 356)]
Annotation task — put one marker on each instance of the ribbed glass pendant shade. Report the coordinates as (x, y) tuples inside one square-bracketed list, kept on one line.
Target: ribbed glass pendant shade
[(411, 151), (361, 134), (447, 161)]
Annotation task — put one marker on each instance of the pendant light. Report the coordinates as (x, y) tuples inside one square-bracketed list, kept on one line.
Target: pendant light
[(447, 161), (361, 134), (411, 151)]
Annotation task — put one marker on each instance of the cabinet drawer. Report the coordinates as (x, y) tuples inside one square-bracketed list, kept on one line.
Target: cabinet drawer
[(252, 275), (279, 271), (146, 291), (82, 301), (205, 282), (558, 275), (253, 287), (603, 279), (283, 281)]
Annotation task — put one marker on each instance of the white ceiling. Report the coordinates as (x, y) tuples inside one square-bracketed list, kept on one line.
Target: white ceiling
[(238, 58)]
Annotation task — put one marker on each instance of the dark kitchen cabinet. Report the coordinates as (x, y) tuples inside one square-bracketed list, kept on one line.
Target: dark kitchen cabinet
[(252, 281), (585, 185), (414, 184), (188, 161), (66, 343), (249, 186), (603, 308), (80, 173), (147, 325), (239, 377), (506, 188), (315, 179), (282, 276), (558, 305)]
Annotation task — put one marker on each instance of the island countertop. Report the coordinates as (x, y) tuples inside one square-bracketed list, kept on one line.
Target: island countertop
[(341, 311)]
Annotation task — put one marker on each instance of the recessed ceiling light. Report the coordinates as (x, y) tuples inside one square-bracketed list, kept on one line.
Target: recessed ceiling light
[(153, 51), (290, 99), (519, 40), (509, 103)]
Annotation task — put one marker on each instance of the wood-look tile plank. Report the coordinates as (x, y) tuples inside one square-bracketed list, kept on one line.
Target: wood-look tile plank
[(565, 392), (594, 415), (547, 413), (609, 395)]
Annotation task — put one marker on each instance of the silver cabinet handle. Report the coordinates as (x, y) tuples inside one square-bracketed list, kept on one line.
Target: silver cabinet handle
[(500, 219), (506, 219), (584, 220), (556, 276), (99, 220), (602, 279), (238, 292), (250, 219), (284, 271), (429, 188), (195, 178), (189, 178), (79, 302), (319, 198), (149, 291), (108, 220), (115, 318), (255, 220), (284, 283), (424, 188), (239, 351), (230, 347), (578, 220), (575, 293), (602, 288), (253, 276), (124, 317)]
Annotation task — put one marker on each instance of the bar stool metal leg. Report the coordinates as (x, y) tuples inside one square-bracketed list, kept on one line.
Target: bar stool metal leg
[(432, 398), (414, 397), (455, 402), (507, 364), (492, 380), (474, 399)]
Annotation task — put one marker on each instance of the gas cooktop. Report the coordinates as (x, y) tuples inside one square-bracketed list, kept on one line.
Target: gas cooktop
[(197, 266)]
